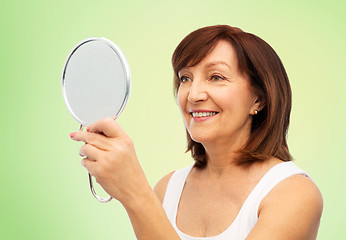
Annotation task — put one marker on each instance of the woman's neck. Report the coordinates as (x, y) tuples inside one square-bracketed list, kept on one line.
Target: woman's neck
[(222, 155)]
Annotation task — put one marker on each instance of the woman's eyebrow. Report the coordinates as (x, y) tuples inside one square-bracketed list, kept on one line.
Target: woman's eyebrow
[(183, 70), (212, 64)]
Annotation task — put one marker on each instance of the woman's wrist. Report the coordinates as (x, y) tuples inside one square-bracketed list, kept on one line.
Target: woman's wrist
[(142, 199)]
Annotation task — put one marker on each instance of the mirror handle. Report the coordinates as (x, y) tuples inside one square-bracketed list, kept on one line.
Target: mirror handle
[(104, 200)]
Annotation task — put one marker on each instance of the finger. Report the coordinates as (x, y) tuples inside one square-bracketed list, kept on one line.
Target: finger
[(98, 140), (91, 152), (108, 127), (89, 165)]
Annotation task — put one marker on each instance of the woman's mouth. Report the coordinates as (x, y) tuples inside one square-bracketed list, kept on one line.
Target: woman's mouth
[(203, 114), (199, 116)]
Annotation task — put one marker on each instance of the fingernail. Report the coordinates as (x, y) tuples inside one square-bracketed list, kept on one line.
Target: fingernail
[(88, 128), (72, 134)]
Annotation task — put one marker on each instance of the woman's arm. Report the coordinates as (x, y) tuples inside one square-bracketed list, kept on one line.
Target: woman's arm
[(149, 219), (110, 157), (139, 215), (291, 211)]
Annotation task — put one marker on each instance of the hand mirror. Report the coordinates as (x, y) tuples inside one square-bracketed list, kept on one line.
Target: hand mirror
[(96, 84)]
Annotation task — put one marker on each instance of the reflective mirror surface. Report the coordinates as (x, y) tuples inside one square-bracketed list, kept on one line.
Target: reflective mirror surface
[(96, 81)]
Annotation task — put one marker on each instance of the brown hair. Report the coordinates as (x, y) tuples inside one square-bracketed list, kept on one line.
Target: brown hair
[(260, 63)]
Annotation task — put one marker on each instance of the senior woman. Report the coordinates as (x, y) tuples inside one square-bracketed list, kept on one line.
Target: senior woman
[(235, 99)]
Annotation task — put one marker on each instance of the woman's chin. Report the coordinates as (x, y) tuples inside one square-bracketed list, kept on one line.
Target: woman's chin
[(201, 138)]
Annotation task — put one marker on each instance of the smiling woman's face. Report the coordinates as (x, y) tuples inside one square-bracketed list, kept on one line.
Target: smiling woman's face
[(215, 99)]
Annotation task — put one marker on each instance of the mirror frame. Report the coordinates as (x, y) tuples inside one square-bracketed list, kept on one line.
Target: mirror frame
[(123, 61)]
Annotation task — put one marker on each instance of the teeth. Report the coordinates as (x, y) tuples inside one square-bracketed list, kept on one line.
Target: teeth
[(203, 114)]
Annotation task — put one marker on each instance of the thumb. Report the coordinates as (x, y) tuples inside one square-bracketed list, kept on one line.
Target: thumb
[(107, 126)]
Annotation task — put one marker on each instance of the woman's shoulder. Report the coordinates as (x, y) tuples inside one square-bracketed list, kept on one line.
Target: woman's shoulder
[(161, 186), (297, 190), (298, 202)]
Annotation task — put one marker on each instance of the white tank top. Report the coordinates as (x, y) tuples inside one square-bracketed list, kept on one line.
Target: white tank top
[(247, 216)]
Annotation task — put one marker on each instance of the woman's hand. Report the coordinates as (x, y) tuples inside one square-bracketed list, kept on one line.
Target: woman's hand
[(111, 158)]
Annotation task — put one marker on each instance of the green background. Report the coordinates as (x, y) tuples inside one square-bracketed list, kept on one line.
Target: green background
[(44, 189)]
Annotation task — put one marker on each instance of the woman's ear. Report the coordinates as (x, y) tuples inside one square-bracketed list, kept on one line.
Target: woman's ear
[(259, 104)]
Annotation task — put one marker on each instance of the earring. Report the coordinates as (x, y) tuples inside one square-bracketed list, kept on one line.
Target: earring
[(256, 112)]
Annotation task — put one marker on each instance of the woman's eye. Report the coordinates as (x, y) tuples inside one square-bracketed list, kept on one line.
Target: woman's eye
[(216, 78), (184, 79)]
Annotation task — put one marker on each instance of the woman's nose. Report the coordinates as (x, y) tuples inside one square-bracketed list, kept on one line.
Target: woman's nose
[(198, 92)]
